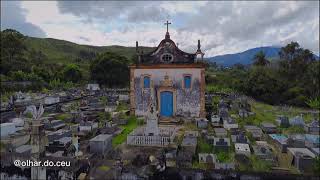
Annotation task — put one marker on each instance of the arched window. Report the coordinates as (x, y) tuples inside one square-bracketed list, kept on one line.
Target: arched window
[(187, 81), (166, 57), (146, 82)]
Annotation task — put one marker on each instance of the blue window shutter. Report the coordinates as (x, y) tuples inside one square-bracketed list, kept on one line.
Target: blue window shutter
[(187, 82), (146, 82)]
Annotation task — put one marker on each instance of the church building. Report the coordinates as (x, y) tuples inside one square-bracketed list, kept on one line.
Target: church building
[(169, 78)]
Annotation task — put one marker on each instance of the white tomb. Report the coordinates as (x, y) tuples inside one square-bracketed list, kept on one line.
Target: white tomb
[(7, 129), (93, 87), (51, 100), (152, 134)]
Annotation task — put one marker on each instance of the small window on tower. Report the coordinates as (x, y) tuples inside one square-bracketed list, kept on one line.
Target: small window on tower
[(146, 82), (166, 58), (187, 82), (199, 56)]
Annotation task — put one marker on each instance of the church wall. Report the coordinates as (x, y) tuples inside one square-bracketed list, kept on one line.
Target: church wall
[(187, 102)]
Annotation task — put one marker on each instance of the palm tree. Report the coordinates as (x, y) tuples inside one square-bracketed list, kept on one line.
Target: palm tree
[(260, 59)]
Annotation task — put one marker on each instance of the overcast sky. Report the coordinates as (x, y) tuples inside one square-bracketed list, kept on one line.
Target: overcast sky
[(222, 27)]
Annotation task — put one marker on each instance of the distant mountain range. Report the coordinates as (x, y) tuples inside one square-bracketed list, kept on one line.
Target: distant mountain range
[(246, 57), (65, 52)]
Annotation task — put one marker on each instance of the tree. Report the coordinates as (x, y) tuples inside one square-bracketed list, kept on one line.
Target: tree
[(263, 85), (12, 51), (299, 70), (134, 58), (295, 60), (110, 69), (260, 59), (85, 54), (43, 72), (12, 44), (309, 78), (72, 73), (289, 51), (22, 76), (293, 79)]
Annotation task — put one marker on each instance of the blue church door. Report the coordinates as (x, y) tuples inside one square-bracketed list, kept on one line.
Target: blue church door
[(166, 108)]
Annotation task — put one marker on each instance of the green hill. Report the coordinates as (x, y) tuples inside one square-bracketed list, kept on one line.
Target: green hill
[(47, 59), (61, 51)]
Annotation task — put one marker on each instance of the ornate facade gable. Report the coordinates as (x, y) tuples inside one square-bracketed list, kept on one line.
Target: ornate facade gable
[(167, 53)]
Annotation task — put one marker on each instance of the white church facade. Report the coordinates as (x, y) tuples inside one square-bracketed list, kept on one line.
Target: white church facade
[(172, 80)]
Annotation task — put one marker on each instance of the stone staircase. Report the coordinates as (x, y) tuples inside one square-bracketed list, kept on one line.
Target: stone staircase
[(169, 120)]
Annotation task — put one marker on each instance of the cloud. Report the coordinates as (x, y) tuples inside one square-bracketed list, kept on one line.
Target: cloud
[(46, 15), (264, 23), (130, 11), (149, 14), (13, 17), (222, 27)]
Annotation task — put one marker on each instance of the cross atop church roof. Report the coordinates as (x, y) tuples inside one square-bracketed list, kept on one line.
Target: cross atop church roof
[(167, 23), (167, 33)]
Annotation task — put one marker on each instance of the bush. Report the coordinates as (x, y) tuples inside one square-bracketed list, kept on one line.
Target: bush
[(71, 73), (218, 89), (204, 147), (121, 107), (44, 90), (110, 69), (57, 84), (224, 156), (314, 103), (295, 130)]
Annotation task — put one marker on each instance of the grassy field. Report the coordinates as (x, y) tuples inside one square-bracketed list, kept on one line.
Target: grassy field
[(126, 129), (104, 168), (268, 113), (64, 116)]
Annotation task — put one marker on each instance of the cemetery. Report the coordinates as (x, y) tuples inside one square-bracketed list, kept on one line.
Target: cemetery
[(92, 131), (165, 121)]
